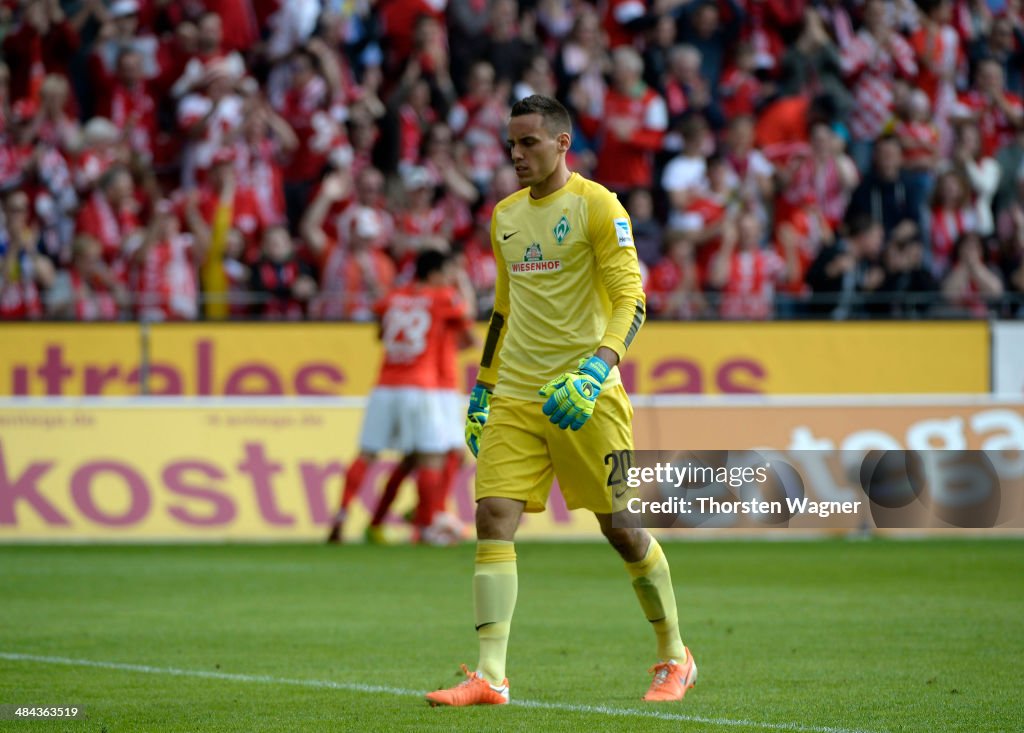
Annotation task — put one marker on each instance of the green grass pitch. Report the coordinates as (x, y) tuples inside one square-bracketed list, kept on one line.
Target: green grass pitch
[(821, 636)]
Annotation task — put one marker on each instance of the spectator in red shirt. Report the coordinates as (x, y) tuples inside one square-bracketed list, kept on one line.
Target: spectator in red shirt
[(740, 90), (306, 98), (919, 137), (623, 19), (870, 61), (87, 290), (330, 217), (972, 285), (246, 215), (103, 146), (627, 125), (164, 269), (940, 58), (208, 52), (55, 127), (686, 90), (747, 273), (110, 217), (711, 210), (997, 112), (323, 223), (421, 224), (42, 42), (128, 102), (448, 168), (478, 121), (403, 29), (818, 181), (265, 142), (952, 214), (356, 274), (751, 167), (210, 119), (121, 32), (415, 114), (673, 290), (238, 19)]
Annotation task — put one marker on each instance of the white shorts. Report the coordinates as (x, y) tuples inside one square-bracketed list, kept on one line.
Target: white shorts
[(404, 419), (455, 404)]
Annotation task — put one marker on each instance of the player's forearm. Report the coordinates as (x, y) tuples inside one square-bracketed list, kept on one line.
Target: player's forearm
[(607, 355)]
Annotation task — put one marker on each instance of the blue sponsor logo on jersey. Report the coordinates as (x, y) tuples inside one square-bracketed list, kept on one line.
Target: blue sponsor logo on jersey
[(623, 233)]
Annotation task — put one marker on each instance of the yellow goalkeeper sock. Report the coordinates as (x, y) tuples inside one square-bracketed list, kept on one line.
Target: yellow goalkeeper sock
[(652, 582), (495, 584)]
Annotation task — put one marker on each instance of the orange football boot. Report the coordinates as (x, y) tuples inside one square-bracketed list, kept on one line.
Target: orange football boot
[(672, 680), (474, 690)]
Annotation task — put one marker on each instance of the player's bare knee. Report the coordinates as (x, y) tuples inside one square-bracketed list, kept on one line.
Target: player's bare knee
[(497, 519), (630, 543)]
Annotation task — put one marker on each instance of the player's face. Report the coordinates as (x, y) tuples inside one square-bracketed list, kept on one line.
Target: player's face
[(535, 151)]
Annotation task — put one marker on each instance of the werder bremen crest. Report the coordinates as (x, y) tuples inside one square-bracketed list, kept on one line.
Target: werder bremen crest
[(533, 253), (562, 230)]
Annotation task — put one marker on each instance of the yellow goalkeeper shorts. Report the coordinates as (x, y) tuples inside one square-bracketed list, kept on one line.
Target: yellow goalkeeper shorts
[(521, 451)]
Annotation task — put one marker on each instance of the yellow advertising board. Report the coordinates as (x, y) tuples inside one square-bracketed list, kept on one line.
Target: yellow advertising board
[(209, 470), (264, 359), (70, 359), (342, 359)]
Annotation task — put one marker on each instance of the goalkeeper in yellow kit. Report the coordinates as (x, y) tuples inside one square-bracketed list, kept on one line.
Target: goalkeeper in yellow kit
[(549, 401)]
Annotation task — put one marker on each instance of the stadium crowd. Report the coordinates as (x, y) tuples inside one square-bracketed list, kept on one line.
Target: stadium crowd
[(187, 159)]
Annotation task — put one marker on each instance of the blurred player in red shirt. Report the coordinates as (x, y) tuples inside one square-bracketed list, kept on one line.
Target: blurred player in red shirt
[(405, 411), (457, 335)]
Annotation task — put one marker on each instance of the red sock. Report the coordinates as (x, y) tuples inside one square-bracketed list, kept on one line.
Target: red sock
[(401, 472), (452, 464), (353, 480), (429, 481)]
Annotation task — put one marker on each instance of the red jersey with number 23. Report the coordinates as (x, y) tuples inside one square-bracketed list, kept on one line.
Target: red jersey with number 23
[(414, 323)]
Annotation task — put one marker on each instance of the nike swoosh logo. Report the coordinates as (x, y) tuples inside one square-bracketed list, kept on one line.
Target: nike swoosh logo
[(620, 494), (506, 236), (489, 623)]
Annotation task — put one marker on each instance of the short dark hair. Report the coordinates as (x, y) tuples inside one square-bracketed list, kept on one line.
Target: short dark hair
[(556, 116), (428, 262), (858, 223)]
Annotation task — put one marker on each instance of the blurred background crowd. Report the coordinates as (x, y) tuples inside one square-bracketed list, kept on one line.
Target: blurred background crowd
[(287, 159)]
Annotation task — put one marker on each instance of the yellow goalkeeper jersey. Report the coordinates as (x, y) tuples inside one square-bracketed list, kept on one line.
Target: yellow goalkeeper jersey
[(568, 282)]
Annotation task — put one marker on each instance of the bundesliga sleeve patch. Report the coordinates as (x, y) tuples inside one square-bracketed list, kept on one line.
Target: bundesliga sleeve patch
[(622, 230)]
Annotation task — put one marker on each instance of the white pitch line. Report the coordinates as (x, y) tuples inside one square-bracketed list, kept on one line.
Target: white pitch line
[(401, 692)]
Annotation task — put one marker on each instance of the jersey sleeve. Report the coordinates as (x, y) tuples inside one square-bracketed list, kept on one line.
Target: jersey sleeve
[(491, 356), (611, 235)]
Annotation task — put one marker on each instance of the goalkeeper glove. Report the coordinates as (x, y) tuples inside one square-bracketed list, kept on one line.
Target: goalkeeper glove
[(476, 416), (571, 397)]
